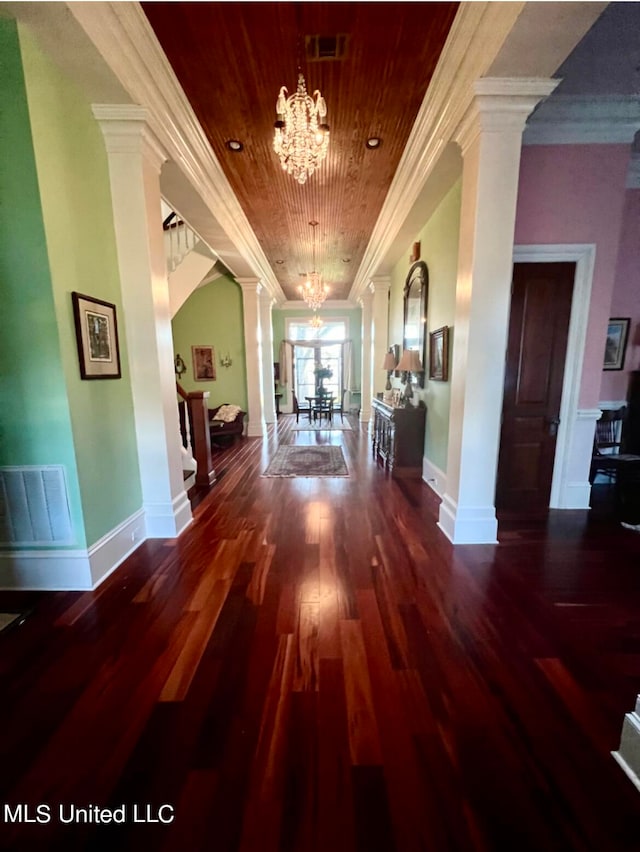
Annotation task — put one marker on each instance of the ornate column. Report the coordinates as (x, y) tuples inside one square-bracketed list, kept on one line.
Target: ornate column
[(490, 136), (381, 285), (268, 381), (366, 383), (251, 288), (135, 159)]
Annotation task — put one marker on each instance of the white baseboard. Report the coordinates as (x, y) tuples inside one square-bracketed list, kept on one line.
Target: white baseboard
[(168, 520), (471, 525), (114, 547), (72, 570), (435, 478)]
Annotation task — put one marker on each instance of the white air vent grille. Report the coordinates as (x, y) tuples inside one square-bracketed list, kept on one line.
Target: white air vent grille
[(34, 506)]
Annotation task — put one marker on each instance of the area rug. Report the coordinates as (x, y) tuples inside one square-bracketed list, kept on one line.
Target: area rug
[(307, 461), (317, 425)]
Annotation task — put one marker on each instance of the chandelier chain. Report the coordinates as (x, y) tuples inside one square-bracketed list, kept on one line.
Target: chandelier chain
[(313, 291)]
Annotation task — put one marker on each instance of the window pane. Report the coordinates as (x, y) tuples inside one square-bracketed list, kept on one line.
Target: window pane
[(304, 367), (331, 357)]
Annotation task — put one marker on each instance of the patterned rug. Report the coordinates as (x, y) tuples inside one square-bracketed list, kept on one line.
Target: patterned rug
[(316, 425), (307, 461)]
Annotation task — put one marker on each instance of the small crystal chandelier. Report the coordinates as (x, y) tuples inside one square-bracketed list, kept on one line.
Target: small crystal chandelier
[(302, 136), (313, 291), (315, 321)]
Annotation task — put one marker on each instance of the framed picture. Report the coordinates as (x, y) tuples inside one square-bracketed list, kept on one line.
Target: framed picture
[(97, 337), (616, 345), (204, 363), (439, 354)]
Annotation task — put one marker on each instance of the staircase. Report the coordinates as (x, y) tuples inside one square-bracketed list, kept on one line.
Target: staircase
[(190, 261)]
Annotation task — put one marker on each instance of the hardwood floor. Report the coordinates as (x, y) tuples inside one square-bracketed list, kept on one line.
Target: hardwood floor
[(312, 666)]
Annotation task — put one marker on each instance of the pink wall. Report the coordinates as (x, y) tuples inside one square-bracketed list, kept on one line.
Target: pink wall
[(575, 194), (626, 297)]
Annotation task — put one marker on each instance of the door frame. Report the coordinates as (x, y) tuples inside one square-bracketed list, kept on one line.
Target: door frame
[(566, 493)]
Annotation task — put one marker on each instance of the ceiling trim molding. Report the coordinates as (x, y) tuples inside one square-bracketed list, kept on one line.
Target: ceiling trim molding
[(125, 39), (329, 304), (584, 119), (477, 34)]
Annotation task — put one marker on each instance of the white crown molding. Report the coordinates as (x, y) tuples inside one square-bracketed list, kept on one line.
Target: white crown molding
[(329, 304), (477, 34), (584, 119), (126, 41)]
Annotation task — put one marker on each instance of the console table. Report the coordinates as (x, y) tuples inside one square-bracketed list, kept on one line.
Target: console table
[(398, 437)]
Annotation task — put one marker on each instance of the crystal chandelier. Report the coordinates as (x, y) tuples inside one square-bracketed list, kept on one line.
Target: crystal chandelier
[(313, 291), (315, 321), (302, 137)]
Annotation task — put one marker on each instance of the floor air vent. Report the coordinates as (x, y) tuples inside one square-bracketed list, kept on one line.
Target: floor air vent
[(34, 506)]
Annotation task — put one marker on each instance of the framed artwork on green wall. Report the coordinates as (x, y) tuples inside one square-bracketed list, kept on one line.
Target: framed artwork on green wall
[(204, 363), (97, 337)]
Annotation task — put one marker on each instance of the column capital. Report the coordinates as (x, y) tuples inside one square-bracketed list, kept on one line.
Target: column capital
[(380, 284), (633, 173), (366, 297), (250, 285), (125, 131), (266, 299), (501, 104)]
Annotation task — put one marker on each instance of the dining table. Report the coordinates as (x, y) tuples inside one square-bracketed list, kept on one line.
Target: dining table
[(320, 406)]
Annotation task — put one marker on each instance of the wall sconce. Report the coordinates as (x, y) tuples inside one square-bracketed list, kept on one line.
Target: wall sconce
[(179, 366), (225, 360)]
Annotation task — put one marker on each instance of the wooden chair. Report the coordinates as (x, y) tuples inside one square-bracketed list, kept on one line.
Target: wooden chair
[(300, 409), (338, 408), (607, 458), (323, 407)]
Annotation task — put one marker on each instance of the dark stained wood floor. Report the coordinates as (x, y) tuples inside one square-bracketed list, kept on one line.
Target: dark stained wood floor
[(312, 666)]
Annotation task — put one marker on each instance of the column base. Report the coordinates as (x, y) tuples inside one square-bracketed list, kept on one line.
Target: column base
[(628, 755), (168, 520), (256, 429), (468, 525)]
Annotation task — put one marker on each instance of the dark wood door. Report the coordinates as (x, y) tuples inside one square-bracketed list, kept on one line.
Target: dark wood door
[(536, 351)]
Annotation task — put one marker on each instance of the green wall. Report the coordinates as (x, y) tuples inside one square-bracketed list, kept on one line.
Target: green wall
[(213, 316), (35, 420), (354, 318), (78, 221), (439, 250)]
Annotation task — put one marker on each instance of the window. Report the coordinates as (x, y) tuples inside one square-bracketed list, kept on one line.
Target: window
[(322, 347)]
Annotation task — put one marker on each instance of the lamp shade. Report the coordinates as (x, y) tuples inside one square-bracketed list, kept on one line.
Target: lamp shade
[(389, 361), (410, 361)]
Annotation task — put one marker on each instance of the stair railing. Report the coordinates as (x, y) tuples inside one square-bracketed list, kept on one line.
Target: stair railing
[(197, 439), (181, 240)]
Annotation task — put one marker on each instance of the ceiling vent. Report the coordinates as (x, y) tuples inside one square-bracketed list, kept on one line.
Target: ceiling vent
[(326, 48)]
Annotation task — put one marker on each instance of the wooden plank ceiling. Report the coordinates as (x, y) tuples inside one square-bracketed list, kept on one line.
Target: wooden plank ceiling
[(231, 60)]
